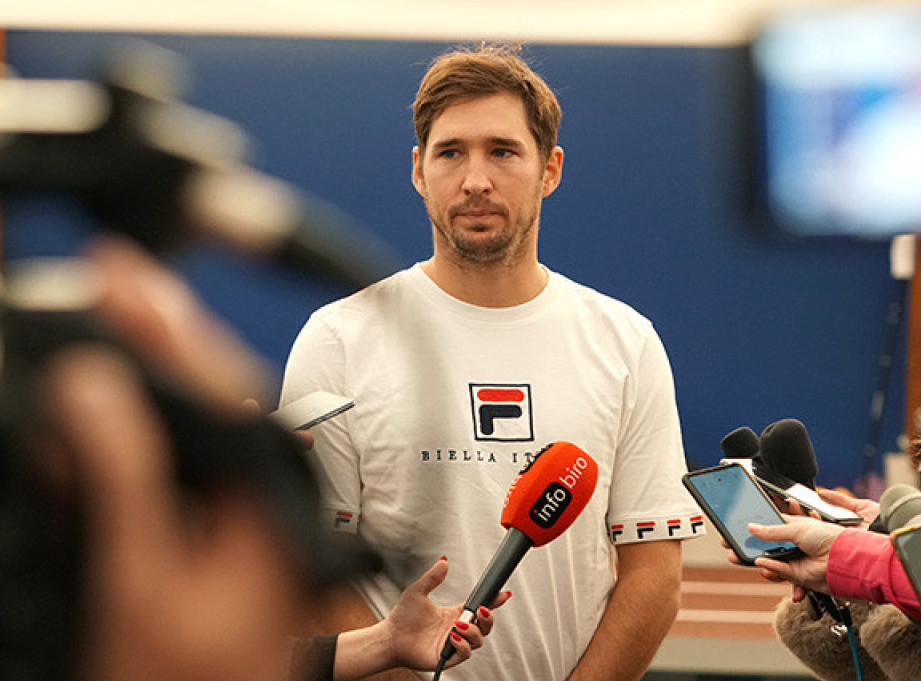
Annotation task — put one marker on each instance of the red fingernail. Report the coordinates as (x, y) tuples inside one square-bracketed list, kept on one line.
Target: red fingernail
[(483, 612), (463, 626), (457, 637), (443, 558), (508, 594)]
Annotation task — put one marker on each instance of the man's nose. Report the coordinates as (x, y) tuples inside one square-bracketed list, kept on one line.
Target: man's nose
[(476, 177)]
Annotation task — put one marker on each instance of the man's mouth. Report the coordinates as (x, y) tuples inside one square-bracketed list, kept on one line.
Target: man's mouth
[(477, 211)]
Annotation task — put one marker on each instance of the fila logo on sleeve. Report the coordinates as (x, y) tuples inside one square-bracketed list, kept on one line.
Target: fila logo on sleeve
[(678, 527), (342, 519), (502, 412)]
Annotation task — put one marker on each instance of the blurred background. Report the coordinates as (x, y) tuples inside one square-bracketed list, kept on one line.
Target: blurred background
[(689, 189), (742, 172)]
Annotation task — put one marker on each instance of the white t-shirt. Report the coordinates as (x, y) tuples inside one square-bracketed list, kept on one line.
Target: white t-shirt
[(451, 401)]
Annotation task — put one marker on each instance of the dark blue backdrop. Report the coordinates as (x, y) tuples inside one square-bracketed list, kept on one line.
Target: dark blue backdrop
[(653, 209)]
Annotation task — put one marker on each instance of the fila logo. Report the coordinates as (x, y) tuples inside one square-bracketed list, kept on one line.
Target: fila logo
[(501, 412), (342, 519), (653, 530), (643, 528)]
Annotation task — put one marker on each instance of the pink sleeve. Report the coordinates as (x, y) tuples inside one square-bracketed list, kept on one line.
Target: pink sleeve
[(864, 565)]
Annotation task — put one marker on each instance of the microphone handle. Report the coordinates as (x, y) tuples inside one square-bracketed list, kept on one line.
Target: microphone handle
[(500, 568), (821, 603), (770, 476), (503, 563)]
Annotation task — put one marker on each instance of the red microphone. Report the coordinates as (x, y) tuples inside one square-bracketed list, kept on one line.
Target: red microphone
[(549, 493), (544, 499)]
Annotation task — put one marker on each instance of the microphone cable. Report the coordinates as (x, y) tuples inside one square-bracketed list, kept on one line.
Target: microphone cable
[(848, 625), (439, 667)]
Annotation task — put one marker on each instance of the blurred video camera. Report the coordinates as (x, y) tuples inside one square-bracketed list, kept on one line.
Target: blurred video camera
[(143, 164)]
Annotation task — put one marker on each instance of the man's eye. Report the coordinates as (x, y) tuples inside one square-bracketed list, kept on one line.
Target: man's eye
[(449, 153), (502, 153)]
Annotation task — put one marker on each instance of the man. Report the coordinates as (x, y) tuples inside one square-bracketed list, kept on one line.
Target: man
[(464, 366)]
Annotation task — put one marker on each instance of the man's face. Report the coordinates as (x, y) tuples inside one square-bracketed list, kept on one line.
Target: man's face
[(483, 180)]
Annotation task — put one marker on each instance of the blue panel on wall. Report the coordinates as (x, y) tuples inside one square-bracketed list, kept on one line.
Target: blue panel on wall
[(652, 210)]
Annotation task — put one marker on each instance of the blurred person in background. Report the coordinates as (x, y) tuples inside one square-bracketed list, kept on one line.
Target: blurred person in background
[(175, 588)]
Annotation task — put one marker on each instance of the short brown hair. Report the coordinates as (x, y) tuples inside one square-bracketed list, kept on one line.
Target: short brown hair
[(486, 70)]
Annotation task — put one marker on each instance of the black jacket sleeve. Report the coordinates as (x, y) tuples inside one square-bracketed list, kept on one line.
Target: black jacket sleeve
[(313, 659)]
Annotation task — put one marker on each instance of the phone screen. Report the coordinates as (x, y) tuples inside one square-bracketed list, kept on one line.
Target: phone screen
[(806, 497), (907, 543), (732, 499)]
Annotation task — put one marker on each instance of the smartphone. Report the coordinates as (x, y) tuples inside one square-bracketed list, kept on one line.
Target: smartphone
[(311, 410), (907, 544), (731, 498), (808, 498)]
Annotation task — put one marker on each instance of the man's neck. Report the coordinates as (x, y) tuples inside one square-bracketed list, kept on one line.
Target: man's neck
[(488, 285)]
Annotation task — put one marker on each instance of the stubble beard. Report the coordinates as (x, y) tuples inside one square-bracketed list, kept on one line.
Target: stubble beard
[(507, 246)]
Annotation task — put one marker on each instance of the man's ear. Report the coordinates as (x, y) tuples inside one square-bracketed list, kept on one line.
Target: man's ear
[(418, 180), (553, 171)]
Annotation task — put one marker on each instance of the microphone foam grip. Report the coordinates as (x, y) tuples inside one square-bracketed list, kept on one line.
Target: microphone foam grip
[(549, 494), (786, 449), (742, 443), (898, 505)]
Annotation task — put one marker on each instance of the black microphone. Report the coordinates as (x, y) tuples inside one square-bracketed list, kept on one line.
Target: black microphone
[(742, 446), (787, 451), (899, 505), (790, 462), (741, 443), (789, 468)]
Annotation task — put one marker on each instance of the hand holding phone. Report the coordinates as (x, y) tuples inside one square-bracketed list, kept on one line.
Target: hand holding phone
[(731, 498)]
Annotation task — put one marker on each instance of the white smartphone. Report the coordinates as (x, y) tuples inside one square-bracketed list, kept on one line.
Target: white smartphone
[(808, 498), (311, 410)]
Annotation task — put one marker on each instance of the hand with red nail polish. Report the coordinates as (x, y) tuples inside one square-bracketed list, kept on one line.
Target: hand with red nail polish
[(414, 632)]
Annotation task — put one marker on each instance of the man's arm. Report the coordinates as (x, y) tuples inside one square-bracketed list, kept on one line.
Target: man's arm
[(640, 612)]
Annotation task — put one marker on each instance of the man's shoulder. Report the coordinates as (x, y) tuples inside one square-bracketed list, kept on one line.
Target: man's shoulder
[(368, 299), (595, 302)]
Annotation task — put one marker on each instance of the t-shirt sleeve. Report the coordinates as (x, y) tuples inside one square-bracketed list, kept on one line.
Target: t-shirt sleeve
[(317, 362), (647, 500)]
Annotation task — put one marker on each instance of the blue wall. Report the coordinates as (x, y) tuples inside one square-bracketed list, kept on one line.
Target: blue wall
[(653, 210)]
